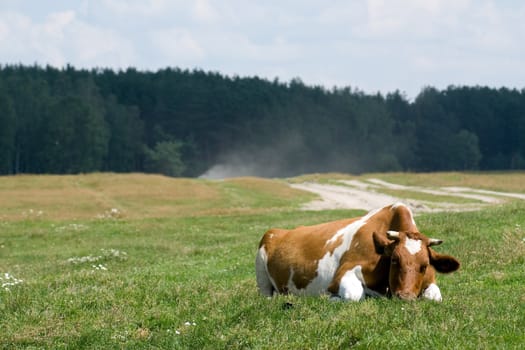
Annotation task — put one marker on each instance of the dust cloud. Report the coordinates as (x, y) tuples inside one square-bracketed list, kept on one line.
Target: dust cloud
[(236, 165), (284, 157), (288, 157)]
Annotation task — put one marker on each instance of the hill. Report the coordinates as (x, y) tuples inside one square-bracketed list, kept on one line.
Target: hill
[(137, 196)]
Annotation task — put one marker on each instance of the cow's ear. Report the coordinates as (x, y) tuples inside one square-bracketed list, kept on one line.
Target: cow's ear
[(382, 244), (443, 263)]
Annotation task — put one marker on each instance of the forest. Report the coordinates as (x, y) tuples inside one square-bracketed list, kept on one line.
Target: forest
[(184, 122)]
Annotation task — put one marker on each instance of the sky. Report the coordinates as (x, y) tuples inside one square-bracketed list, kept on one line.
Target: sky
[(369, 45)]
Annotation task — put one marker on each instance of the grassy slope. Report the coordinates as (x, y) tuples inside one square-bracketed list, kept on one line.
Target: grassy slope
[(138, 196), (190, 248)]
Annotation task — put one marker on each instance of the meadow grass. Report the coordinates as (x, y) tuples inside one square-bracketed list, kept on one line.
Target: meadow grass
[(186, 281)]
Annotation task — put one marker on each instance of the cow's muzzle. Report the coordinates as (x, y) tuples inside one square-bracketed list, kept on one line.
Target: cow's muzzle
[(407, 296)]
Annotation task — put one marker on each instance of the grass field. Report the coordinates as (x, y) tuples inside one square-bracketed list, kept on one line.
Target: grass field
[(148, 262)]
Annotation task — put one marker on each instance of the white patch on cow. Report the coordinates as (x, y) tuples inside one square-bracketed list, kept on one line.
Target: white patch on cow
[(432, 293), (413, 245), (294, 290), (353, 227), (264, 281), (328, 264), (351, 285)]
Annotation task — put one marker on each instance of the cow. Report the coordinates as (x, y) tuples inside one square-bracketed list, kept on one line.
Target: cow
[(380, 254)]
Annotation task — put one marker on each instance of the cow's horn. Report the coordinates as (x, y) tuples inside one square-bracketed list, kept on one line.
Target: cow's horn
[(433, 241), (393, 235)]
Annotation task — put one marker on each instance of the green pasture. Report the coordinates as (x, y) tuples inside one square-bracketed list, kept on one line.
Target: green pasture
[(106, 261)]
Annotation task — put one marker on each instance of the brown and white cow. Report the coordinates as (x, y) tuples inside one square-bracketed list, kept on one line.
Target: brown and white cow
[(381, 253)]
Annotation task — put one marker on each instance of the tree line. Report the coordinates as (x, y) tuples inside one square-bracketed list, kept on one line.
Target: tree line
[(183, 122)]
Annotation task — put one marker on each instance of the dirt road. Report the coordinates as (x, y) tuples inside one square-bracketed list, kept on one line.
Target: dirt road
[(354, 194)]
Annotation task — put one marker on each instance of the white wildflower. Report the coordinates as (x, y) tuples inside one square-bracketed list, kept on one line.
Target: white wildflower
[(107, 254), (72, 227), (31, 213), (83, 259), (113, 213), (114, 253), (7, 280), (99, 267), (120, 336)]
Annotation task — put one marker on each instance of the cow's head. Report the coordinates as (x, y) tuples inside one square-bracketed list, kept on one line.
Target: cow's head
[(412, 262)]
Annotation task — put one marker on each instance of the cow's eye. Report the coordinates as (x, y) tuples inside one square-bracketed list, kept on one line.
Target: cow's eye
[(395, 261), (423, 268)]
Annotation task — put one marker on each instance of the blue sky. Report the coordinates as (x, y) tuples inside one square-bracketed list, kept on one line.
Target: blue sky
[(372, 45)]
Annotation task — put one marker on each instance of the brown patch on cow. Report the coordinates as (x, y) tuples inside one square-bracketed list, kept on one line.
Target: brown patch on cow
[(304, 275), (332, 245)]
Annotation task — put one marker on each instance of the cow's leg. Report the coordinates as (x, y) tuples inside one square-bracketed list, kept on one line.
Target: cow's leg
[(261, 272), (351, 285), (432, 293)]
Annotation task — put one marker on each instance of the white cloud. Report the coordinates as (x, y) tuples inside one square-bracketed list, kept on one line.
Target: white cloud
[(17, 37), (413, 18), (4, 31), (202, 10), (178, 46), (56, 22), (137, 7), (61, 39), (93, 46)]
